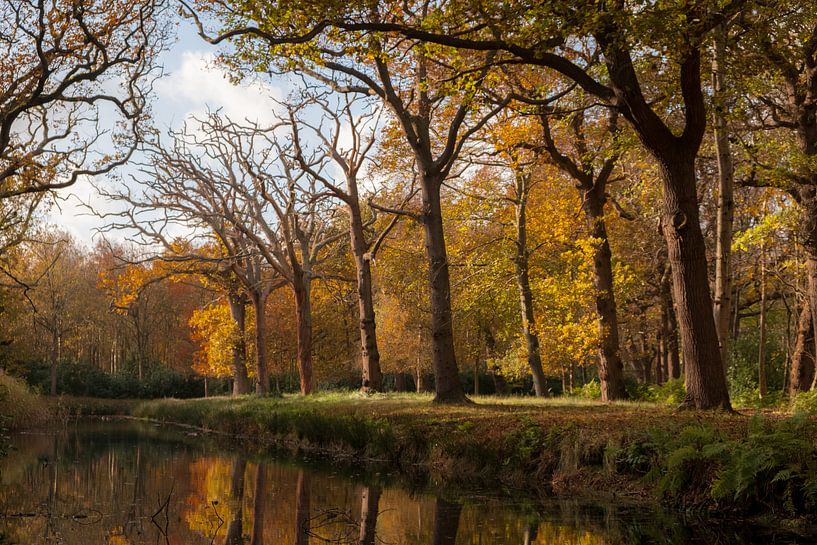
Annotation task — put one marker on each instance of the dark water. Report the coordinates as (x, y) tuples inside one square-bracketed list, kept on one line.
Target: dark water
[(121, 483)]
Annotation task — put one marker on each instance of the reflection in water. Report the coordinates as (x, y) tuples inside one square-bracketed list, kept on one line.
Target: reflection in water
[(368, 514), (128, 484)]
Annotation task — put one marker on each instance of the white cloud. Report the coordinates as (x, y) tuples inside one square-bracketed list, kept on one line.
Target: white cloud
[(200, 84)]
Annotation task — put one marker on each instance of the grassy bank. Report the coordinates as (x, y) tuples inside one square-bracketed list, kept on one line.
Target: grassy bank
[(698, 461), (19, 407)]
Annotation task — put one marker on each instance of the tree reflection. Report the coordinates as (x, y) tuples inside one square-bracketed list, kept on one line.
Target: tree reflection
[(235, 528), (257, 536), (302, 509), (370, 498), (446, 522)]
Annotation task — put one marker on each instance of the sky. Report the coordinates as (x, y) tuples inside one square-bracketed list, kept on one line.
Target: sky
[(192, 84)]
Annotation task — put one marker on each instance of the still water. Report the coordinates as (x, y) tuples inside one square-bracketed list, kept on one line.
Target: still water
[(117, 483)]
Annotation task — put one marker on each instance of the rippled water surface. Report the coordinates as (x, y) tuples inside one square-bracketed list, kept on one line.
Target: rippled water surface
[(120, 483)]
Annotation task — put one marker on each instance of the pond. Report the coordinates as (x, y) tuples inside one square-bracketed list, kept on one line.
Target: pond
[(117, 483)]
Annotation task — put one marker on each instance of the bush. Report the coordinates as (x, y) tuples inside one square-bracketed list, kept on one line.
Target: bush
[(774, 466), (591, 390), (672, 392), (805, 402), (81, 379)]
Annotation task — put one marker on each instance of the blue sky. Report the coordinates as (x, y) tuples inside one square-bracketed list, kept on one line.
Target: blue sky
[(192, 83)]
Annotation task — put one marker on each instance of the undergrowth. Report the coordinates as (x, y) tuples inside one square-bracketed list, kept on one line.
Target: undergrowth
[(772, 468)]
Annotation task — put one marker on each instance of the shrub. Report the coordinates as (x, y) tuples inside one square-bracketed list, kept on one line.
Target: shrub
[(805, 402), (591, 390), (82, 379)]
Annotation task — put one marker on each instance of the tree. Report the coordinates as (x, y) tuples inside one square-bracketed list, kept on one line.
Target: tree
[(591, 167), (346, 120), (74, 76), (531, 35)]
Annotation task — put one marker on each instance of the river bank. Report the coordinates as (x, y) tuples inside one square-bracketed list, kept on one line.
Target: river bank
[(753, 465)]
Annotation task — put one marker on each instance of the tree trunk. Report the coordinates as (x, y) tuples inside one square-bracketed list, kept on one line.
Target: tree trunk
[(521, 263), (447, 385), (259, 304), (303, 310), (611, 370), (235, 528), (761, 352), (368, 515), (802, 360), (726, 205), (55, 339), (703, 370), (369, 353), (400, 382), (238, 311)]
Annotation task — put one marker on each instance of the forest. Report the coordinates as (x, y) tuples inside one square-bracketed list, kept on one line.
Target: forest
[(481, 203)]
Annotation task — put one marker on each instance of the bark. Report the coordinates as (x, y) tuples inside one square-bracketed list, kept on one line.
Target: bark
[(726, 205), (368, 514), (703, 370), (611, 369), (447, 385), (235, 528), (369, 353), (259, 505), (802, 360), (259, 304), (446, 522), (303, 311), (238, 311), (521, 263)]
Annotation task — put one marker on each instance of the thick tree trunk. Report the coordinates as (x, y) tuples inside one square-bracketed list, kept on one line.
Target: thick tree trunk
[(303, 314), (611, 369), (370, 498), (521, 263), (802, 360), (726, 205), (238, 311), (259, 304), (369, 353), (703, 369), (235, 528), (448, 388)]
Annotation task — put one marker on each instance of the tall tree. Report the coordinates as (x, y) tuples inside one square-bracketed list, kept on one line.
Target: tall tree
[(538, 35), (436, 118), (347, 133)]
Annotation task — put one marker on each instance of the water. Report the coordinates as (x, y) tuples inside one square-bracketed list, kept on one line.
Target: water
[(119, 483)]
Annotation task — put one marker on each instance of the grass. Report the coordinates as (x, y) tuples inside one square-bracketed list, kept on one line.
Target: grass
[(562, 444), (19, 407)]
